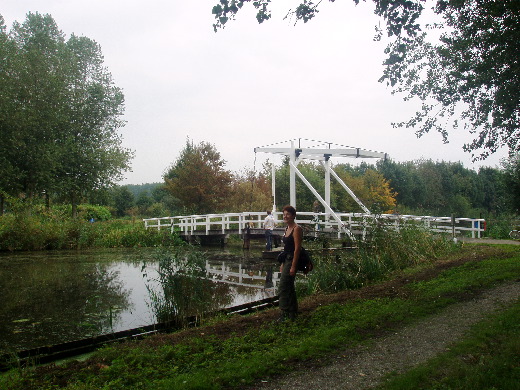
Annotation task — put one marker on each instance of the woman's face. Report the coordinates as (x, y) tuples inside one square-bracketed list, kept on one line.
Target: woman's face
[(288, 217)]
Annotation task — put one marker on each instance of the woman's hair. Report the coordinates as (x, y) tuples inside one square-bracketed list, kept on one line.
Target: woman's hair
[(291, 210)]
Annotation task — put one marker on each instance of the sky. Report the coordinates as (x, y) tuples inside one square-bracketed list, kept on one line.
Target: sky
[(247, 85)]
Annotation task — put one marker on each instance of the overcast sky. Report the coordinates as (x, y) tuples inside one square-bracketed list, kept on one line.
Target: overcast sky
[(248, 85)]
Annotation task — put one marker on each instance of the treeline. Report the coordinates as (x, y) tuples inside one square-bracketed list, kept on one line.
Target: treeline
[(198, 183)]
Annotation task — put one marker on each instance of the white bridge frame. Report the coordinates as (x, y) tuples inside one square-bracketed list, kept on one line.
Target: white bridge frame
[(313, 223), (322, 154)]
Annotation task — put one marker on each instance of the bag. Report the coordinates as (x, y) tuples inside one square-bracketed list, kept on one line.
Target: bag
[(305, 262), (281, 257)]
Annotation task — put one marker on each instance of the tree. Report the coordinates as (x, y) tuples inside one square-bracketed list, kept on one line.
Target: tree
[(123, 200), (470, 78), (250, 191), (512, 180), (198, 179), (59, 113), (369, 186), (9, 172), (37, 85), (90, 146)]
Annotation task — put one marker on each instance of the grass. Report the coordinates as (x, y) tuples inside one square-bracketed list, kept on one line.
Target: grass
[(28, 232), (488, 358), (206, 361)]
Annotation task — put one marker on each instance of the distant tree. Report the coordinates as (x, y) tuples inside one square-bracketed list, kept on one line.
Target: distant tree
[(512, 180), (198, 179), (305, 198), (370, 187), (123, 200), (469, 78), (405, 180), (143, 202), (491, 194), (250, 191)]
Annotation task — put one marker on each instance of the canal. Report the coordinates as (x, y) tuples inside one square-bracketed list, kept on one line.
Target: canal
[(59, 296)]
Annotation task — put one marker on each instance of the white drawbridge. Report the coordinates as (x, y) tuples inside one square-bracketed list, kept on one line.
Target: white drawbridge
[(323, 152)]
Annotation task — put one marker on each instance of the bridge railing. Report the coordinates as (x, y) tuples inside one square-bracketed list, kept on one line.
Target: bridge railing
[(316, 222)]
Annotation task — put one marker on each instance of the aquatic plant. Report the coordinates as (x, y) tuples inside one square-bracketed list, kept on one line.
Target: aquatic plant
[(179, 291)]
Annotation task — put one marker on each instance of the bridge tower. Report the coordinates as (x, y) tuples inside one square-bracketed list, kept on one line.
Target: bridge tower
[(323, 152)]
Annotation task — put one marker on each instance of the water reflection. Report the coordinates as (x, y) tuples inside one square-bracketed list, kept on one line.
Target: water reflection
[(54, 297), (57, 298)]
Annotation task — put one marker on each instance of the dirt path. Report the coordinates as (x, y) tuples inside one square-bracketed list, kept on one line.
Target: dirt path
[(365, 366)]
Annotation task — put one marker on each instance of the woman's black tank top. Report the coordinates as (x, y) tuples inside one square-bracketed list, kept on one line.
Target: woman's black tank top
[(288, 242)]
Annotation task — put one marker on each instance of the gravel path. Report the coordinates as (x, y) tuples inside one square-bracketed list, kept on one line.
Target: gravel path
[(364, 367)]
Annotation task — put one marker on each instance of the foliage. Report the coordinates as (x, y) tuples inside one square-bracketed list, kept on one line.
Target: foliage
[(200, 360), (184, 290), (59, 115), (468, 78), (198, 179), (250, 191), (43, 229), (443, 188), (305, 199), (512, 180), (123, 200), (385, 251), (369, 186)]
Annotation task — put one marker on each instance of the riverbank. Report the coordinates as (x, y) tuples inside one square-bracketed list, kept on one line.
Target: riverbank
[(254, 351)]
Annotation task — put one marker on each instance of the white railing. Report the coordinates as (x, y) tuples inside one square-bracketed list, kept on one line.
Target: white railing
[(316, 222)]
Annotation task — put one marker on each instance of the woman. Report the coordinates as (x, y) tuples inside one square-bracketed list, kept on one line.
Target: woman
[(292, 240)]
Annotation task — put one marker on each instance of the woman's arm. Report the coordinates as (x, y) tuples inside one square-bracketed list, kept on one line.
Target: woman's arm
[(298, 236)]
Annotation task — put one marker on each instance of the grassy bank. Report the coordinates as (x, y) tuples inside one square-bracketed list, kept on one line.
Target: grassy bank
[(47, 231), (239, 351)]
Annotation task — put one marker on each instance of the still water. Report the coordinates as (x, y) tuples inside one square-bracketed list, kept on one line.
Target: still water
[(53, 297)]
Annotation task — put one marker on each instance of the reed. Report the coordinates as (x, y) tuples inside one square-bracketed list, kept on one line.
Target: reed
[(383, 251)]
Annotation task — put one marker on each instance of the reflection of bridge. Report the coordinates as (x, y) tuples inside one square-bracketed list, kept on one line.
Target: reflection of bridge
[(244, 276)]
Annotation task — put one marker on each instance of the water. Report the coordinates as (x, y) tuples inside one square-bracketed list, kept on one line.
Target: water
[(53, 297)]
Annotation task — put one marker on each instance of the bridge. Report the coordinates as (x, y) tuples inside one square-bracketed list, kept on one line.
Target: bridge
[(314, 224), (332, 223)]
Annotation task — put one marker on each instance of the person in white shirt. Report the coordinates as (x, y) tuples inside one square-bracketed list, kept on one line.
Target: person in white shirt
[(268, 227)]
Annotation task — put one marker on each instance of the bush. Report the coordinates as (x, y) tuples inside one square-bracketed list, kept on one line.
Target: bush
[(55, 229)]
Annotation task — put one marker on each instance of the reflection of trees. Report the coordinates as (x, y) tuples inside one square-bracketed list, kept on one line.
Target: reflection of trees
[(47, 301), (182, 287)]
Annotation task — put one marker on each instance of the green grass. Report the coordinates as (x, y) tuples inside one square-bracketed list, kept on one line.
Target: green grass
[(488, 358), (206, 362), (29, 232)]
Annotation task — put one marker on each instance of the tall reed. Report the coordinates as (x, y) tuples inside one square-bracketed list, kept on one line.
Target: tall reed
[(384, 250)]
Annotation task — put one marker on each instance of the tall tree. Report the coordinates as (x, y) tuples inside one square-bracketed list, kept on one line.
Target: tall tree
[(90, 146), (38, 86), (9, 172), (198, 179), (512, 180), (470, 78), (59, 113)]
